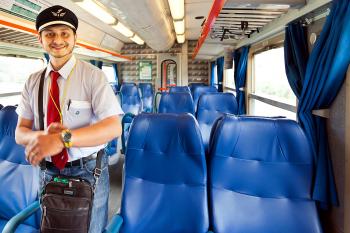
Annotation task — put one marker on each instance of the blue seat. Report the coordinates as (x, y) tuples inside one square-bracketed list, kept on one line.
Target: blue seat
[(164, 177), (180, 89), (176, 102), (147, 94), (199, 90), (260, 177), (210, 107), (131, 100), (193, 85), (19, 181)]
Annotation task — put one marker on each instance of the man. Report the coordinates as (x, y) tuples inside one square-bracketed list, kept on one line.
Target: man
[(81, 112)]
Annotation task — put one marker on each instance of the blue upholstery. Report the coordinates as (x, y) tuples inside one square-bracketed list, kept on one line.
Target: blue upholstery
[(199, 90), (19, 180), (176, 102), (260, 177), (165, 176), (210, 107), (180, 89), (131, 100), (193, 85), (147, 94)]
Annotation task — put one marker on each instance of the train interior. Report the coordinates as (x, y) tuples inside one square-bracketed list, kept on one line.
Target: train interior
[(216, 72)]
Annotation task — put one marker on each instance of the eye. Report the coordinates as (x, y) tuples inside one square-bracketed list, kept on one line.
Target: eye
[(65, 34), (50, 35)]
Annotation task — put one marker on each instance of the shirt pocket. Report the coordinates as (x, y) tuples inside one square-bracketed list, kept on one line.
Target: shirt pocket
[(79, 114)]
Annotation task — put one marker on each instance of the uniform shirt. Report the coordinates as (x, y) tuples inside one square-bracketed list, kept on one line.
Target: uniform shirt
[(88, 99)]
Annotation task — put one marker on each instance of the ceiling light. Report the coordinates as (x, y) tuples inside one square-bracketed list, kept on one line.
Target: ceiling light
[(180, 38), (96, 10), (123, 29), (179, 26), (177, 8), (137, 40)]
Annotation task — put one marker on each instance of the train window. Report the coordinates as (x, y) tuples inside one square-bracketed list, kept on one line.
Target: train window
[(215, 80), (14, 71), (109, 72), (270, 86)]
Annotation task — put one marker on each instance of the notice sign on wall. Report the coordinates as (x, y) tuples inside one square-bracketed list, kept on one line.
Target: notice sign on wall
[(145, 70)]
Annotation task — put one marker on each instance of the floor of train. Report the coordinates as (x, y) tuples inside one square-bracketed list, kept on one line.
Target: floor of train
[(115, 180)]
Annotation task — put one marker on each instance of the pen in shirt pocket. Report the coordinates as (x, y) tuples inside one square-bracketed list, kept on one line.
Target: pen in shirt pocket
[(68, 105)]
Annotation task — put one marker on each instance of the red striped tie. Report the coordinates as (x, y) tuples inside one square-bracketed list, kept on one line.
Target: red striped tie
[(53, 115)]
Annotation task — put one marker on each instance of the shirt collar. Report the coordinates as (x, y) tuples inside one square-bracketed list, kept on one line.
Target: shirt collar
[(65, 70)]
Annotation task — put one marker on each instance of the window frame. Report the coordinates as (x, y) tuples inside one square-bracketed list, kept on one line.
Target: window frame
[(260, 47)]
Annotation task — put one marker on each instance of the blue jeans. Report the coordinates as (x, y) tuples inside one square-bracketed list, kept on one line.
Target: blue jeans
[(99, 214)]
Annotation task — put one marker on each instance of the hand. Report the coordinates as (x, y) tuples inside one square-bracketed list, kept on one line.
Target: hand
[(43, 146), (55, 127)]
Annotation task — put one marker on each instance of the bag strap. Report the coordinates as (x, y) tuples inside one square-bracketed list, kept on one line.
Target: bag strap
[(41, 111), (98, 168)]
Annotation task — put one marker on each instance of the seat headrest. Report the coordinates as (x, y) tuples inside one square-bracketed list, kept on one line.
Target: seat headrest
[(180, 89), (218, 102), (131, 100), (261, 139), (166, 143), (210, 107), (8, 121), (146, 89), (199, 90), (176, 102)]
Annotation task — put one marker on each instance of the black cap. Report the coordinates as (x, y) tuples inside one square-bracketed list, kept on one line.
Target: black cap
[(56, 15)]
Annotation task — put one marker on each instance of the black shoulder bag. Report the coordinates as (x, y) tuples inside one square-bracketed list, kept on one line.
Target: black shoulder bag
[(66, 202)]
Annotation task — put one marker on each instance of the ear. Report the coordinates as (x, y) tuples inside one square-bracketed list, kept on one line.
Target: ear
[(40, 39)]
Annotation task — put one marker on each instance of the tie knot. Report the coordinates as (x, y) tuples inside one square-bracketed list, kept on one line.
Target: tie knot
[(54, 76)]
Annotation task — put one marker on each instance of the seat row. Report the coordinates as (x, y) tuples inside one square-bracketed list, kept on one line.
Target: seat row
[(256, 177)]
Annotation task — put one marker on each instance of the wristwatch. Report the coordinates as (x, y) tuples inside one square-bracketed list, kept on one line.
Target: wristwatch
[(66, 137)]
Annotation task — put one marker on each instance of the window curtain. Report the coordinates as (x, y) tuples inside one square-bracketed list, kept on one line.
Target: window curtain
[(295, 56), (220, 72), (325, 73), (97, 63), (241, 62), (212, 74)]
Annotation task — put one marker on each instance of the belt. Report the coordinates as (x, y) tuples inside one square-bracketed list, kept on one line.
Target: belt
[(75, 163)]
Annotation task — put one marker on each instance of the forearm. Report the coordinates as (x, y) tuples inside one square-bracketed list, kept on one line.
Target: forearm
[(98, 133), (24, 135)]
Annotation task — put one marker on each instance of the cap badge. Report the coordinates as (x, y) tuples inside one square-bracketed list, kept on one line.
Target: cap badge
[(58, 13)]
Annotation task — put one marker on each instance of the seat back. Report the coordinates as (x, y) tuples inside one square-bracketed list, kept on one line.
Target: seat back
[(193, 85), (177, 102), (199, 90), (131, 100), (260, 177), (164, 176), (180, 89), (210, 107), (147, 94), (19, 181)]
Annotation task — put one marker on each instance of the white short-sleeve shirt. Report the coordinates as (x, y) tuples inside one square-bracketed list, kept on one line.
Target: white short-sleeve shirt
[(88, 98)]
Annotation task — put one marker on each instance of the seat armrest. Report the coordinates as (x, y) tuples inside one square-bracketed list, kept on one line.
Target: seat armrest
[(12, 224), (114, 225)]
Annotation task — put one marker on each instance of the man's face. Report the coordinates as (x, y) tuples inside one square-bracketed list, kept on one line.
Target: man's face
[(58, 40)]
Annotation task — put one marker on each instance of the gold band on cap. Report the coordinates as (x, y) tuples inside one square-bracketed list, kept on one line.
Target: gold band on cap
[(54, 23)]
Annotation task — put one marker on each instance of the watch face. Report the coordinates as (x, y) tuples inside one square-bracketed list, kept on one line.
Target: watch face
[(67, 136)]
